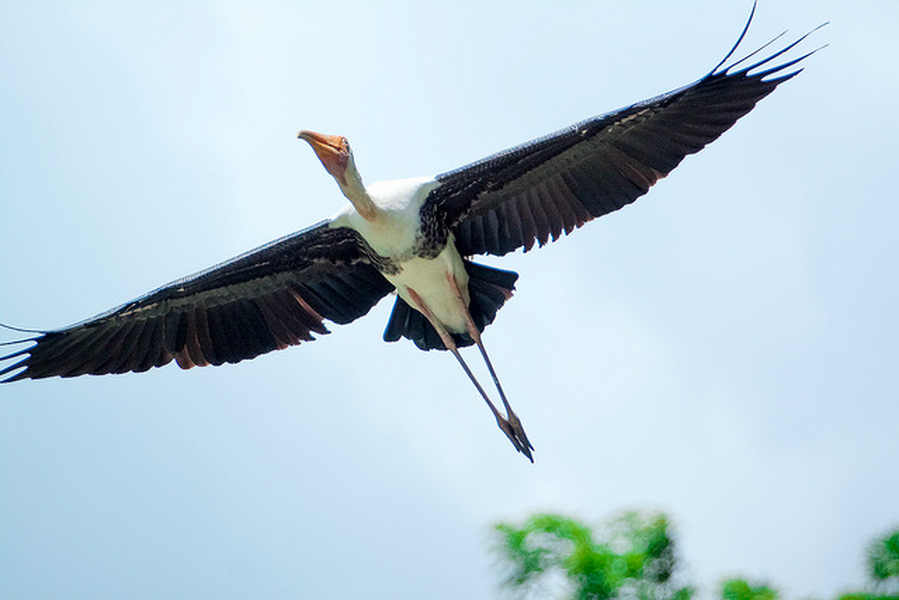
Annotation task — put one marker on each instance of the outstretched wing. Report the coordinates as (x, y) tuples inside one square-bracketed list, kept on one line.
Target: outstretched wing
[(534, 192), (267, 299)]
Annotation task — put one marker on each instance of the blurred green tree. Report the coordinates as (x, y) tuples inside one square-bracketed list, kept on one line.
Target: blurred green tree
[(883, 558), (634, 557), (740, 589), (883, 568)]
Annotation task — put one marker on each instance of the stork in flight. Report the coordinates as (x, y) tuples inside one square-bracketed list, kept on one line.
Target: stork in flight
[(413, 237)]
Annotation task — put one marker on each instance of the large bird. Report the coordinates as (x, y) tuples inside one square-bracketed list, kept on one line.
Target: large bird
[(413, 237)]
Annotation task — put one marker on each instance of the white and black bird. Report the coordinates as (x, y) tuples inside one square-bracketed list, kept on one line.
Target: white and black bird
[(414, 237)]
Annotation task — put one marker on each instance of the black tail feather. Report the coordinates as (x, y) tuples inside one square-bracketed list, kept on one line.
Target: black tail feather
[(488, 288)]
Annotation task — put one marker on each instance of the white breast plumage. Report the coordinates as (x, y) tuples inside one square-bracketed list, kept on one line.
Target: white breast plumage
[(393, 234)]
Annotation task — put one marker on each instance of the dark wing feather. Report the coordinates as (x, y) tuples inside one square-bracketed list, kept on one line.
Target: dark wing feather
[(270, 298), (534, 192)]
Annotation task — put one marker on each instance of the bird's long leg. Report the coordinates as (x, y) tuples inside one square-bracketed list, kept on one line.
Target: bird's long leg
[(474, 332), (505, 425)]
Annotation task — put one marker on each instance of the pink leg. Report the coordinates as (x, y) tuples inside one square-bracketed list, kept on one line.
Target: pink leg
[(475, 334), (507, 426)]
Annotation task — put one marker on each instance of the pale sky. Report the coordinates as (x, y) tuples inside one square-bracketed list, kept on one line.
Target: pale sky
[(725, 350)]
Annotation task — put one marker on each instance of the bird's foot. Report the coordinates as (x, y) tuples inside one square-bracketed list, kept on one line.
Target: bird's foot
[(515, 432)]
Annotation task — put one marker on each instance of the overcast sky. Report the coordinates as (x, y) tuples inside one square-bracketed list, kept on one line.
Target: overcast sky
[(725, 350)]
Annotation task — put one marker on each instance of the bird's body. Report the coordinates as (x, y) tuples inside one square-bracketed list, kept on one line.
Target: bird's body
[(395, 234), (429, 278), (412, 236), (396, 230)]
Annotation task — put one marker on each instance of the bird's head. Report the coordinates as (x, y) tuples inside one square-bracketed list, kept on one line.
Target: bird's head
[(337, 158), (334, 152)]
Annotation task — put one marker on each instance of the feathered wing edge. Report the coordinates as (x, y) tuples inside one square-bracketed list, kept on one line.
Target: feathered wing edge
[(267, 299), (532, 193)]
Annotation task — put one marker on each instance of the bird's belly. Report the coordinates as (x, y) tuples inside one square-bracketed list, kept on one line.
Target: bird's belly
[(428, 277)]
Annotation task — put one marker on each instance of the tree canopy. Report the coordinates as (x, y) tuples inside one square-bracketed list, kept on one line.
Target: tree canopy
[(634, 557)]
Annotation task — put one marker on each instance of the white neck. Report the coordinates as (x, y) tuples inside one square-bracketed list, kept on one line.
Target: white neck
[(356, 193)]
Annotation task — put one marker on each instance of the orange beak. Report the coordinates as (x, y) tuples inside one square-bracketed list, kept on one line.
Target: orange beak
[(332, 151)]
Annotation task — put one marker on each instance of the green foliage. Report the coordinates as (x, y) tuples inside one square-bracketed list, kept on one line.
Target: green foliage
[(883, 557), (740, 589), (634, 558)]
